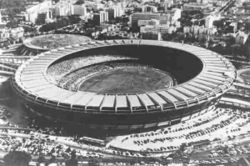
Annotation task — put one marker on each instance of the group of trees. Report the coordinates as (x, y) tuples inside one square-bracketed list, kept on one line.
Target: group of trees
[(188, 16), (61, 22), (18, 158), (12, 7)]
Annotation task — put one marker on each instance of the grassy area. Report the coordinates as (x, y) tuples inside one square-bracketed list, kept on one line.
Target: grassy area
[(58, 40), (127, 80)]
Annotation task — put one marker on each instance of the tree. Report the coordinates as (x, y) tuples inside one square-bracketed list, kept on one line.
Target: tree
[(17, 158), (12, 24), (218, 23), (72, 161), (41, 158), (73, 19), (202, 39), (12, 7)]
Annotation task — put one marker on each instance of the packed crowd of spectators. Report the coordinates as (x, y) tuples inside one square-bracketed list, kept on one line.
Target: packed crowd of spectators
[(60, 69), (74, 80)]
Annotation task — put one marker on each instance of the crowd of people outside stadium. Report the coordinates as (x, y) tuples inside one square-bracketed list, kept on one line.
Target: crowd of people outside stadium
[(72, 80)]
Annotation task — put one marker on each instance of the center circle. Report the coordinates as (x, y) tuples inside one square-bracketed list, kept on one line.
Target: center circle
[(129, 79)]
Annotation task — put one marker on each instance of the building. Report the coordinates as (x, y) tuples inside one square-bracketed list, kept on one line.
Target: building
[(115, 11), (4, 34), (33, 11), (154, 32), (209, 20), (149, 8), (247, 46), (64, 8), (148, 22), (195, 6), (14, 34), (1, 17), (68, 7), (246, 6), (17, 33), (162, 29), (170, 17), (100, 17), (202, 1), (199, 30), (118, 10), (167, 4), (111, 13), (134, 18), (79, 9), (175, 15), (150, 36), (241, 38), (2, 23)]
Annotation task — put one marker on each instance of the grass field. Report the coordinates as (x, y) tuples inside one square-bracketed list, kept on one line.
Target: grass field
[(58, 40), (127, 80)]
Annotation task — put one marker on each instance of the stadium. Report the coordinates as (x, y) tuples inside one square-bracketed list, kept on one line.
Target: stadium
[(123, 85)]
